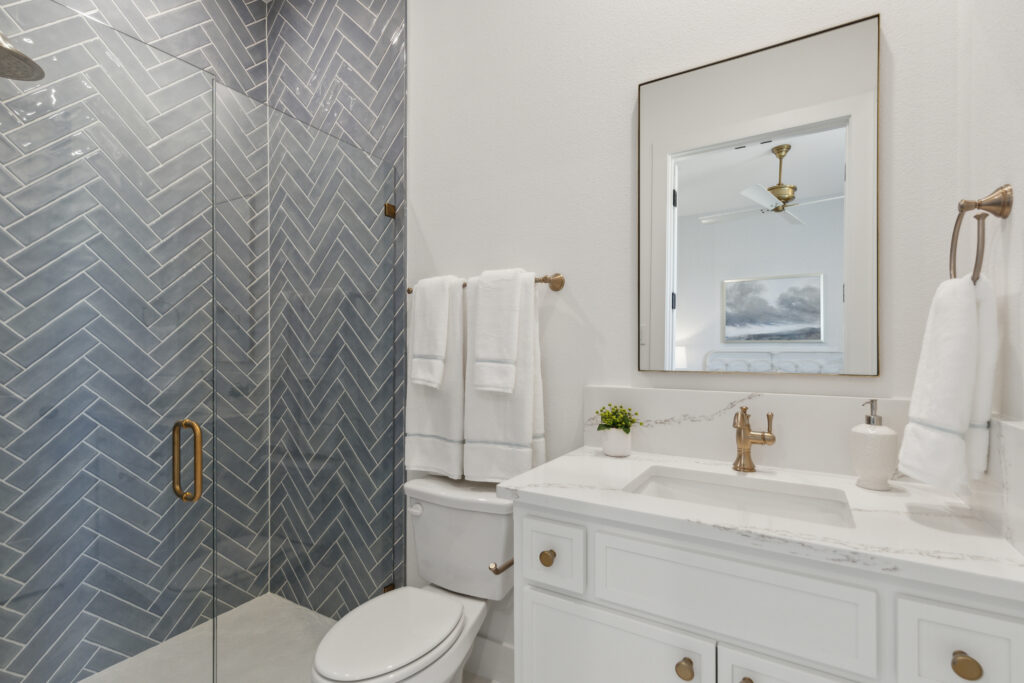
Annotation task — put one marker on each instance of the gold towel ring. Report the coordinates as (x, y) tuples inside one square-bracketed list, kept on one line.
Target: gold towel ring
[(998, 203)]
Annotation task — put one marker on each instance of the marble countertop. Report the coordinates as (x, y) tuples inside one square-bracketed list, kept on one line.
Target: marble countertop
[(913, 531)]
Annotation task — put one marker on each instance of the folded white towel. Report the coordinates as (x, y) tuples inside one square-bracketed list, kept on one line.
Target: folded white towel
[(496, 331), (934, 449), (428, 333), (984, 386), (434, 416), (505, 431)]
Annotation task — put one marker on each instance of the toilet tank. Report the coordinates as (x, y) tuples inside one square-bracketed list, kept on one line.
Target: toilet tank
[(459, 528)]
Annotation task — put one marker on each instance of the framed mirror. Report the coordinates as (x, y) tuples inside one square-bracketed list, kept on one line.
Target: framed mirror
[(758, 210)]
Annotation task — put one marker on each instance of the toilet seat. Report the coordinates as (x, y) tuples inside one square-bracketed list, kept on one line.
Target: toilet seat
[(390, 638)]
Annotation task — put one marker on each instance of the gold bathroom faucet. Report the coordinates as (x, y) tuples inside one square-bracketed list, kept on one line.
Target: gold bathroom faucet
[(746, 438)]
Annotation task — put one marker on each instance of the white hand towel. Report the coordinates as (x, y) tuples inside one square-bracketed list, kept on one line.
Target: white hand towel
[(496, 332), (434, 416), (505, 431), (984, 387), (428, 333), (934, 449)]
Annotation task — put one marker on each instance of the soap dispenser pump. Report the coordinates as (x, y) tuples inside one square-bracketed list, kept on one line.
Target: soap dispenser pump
[(875, 450)]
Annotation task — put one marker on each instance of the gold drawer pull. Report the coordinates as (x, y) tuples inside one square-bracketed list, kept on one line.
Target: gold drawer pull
[(684, 669), (547, 557), (966, 666)]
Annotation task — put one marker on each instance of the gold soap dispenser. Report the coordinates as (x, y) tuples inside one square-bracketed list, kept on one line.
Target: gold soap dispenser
[(875, 450)]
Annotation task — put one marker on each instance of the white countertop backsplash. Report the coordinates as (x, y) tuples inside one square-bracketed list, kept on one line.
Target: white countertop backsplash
[(812, 432)]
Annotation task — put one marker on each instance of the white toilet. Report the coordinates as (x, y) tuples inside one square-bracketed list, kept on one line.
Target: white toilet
[(424, 635)]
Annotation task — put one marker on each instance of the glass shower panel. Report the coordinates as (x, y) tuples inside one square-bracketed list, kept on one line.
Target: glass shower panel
[(332, 372), (105, 343)]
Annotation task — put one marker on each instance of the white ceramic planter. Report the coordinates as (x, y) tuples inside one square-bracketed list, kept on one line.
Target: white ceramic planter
[(616, 443)]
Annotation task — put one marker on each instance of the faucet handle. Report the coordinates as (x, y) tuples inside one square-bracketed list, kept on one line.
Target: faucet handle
[(771, 418)]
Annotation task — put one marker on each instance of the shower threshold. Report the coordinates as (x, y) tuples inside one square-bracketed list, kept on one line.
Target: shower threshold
[(266, 640)]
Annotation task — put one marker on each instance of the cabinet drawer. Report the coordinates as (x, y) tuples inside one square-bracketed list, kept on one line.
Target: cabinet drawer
[(556, 554), (566, 640), (735, 665), (827, 623), (929, 634)]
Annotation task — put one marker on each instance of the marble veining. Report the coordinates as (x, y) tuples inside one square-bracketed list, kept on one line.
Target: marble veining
[(912, 531)]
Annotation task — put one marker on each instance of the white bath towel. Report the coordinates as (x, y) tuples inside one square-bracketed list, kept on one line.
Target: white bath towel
[(984, 386), (434, 416), (496, 332), (934, 449), (428, 332), (505, 431)]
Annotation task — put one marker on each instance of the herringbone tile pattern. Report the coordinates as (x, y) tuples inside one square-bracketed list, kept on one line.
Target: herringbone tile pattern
[(242, 348), (340, 66), (332, 370), (227, 38), (105, 341), (133, 241)]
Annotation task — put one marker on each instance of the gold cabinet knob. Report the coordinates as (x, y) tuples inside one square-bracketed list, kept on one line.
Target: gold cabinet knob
[(547, 557), (684, 669), (966, 666), (747, 679)]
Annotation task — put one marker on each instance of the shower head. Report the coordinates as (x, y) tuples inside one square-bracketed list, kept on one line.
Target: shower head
[(16, 65)]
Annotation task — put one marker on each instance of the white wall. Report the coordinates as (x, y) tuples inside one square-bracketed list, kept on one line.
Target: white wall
[(522, 152)]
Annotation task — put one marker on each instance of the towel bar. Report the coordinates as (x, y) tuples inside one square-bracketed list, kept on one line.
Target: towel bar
[(555, 282)]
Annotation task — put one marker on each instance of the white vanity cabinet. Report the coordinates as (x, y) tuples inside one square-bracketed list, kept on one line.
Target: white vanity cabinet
[(600, 602)]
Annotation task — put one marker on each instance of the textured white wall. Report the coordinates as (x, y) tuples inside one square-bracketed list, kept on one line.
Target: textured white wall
[(522, 152)]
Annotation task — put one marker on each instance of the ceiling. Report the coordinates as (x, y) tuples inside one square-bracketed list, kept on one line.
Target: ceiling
[(710, 181)]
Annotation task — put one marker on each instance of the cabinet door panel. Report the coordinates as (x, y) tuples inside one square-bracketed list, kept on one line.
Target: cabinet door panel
[(736, 665), (566, 640)]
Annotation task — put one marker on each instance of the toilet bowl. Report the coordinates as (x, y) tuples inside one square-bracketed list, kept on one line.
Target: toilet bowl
[(424, 635)]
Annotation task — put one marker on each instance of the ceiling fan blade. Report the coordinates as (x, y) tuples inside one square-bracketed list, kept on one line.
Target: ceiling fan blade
[(820, 200), (726, 216), (790, 217), (760, 196)]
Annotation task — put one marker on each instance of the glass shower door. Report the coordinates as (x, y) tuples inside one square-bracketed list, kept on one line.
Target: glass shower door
[(105, 343), (304, 325)]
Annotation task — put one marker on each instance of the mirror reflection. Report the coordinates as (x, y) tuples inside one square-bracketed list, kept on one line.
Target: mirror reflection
[(758, 235)]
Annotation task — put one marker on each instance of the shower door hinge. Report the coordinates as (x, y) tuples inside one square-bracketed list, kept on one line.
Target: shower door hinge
[(675, 198), (390, 210)]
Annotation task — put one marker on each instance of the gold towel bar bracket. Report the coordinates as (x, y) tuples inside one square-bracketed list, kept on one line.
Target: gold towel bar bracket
[(999, 204), (555, 282)]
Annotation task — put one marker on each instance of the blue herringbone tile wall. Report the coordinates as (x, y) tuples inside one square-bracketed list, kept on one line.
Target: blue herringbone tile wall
[(340, 66), (332, 370), (228, 38), (159, 258), (242, 348), (105, 341)]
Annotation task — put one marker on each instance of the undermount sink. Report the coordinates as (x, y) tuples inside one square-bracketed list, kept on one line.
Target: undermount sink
[(746, 494)]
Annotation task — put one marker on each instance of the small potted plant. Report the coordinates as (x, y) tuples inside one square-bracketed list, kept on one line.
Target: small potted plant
[(616, 422)]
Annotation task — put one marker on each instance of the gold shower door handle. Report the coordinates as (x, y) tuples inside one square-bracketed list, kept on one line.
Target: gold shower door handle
[(197, 460)]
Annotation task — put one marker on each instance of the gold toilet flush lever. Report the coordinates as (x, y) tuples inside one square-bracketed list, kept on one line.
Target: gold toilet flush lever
[(745, 438)]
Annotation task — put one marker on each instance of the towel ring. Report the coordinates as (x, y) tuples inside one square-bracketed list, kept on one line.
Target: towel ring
[(998, 203)]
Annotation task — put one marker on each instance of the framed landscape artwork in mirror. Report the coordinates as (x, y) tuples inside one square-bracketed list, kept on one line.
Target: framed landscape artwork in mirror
[(758, 210)]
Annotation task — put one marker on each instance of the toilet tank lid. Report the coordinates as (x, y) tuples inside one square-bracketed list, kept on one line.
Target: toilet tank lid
[(458, 494)]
